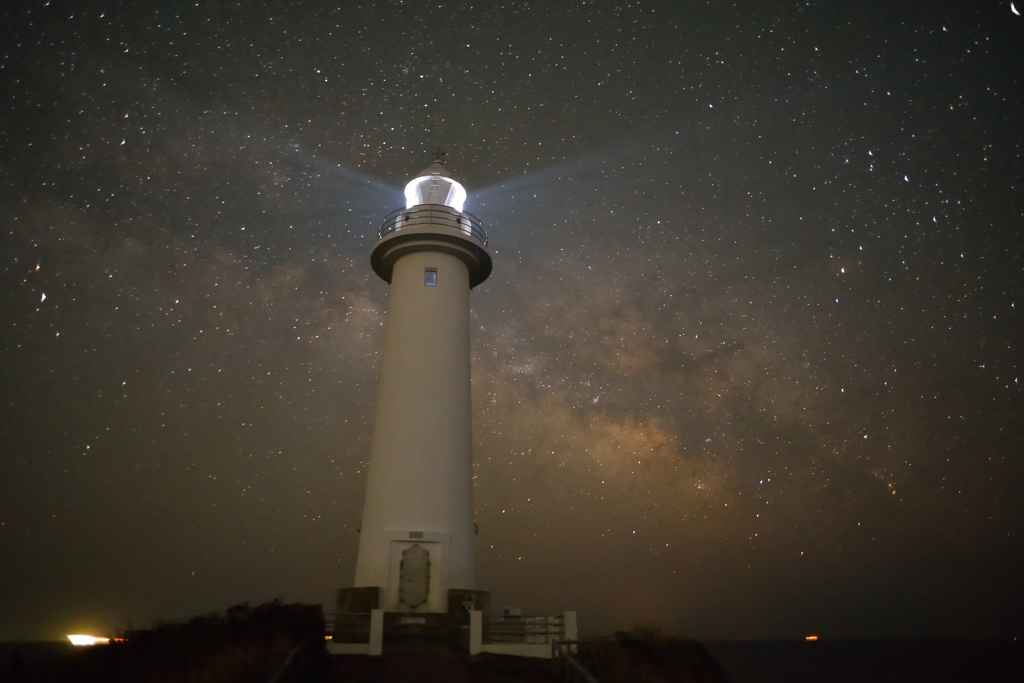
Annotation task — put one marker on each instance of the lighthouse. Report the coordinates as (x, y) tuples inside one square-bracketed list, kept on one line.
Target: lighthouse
[(417, 531)]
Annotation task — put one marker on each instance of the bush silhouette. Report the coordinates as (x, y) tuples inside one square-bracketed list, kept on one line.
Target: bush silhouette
[(242, 645), (646, 654)]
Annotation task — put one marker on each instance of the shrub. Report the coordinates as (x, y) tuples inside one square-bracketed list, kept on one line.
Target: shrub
[(645, 654), (242, 645)]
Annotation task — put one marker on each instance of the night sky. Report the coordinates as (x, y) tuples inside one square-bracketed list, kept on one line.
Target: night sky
[(748, 365)]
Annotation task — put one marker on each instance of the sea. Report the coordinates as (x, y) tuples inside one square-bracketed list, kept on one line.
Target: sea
[(870, 661)]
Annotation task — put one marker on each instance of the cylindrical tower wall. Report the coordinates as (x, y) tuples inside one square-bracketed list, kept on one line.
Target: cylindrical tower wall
[(419, 483)]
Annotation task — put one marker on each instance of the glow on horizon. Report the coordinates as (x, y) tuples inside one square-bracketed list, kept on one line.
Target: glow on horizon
[(80, 640)]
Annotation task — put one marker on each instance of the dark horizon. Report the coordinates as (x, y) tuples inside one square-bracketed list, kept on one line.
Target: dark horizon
[(748, 364)]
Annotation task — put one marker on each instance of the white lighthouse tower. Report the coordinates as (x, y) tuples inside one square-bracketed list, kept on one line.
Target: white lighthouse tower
[(416, 535)]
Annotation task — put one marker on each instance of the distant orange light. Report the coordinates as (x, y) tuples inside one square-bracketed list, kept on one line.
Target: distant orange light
[(810, 638)]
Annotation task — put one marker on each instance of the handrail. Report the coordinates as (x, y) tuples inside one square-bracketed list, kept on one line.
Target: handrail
[(524, 629), (288, 661), (433, 214), (562, 649), (348, 624)]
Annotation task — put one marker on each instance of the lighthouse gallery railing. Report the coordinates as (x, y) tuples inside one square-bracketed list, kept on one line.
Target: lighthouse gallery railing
[(431, 214)]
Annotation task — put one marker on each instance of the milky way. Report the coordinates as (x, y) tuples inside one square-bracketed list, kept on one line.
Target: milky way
[(748, 364)]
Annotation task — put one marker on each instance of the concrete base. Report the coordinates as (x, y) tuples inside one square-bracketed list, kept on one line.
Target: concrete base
[(518, 650), (348, 648)]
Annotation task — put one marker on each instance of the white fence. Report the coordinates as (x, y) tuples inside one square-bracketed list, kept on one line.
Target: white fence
[(520, 636), (376, 639)]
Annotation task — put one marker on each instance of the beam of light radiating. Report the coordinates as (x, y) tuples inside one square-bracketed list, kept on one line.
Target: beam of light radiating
[(352, 177), (519, 204), (342, 193), (538, 198), (594, 167), (609, 162), (289, 179)]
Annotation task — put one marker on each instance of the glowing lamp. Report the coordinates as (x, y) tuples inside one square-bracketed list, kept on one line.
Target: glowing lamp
[(435, 186)]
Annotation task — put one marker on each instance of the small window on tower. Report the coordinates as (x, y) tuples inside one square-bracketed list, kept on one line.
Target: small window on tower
[(430, 277)]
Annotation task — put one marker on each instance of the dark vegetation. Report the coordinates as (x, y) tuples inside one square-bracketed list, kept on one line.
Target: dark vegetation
[(245, 644), (277, 643), (647, 655)]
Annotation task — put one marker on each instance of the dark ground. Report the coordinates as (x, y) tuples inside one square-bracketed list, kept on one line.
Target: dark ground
[(450, 668), (874, 661), (18, 660), (743, 661)]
